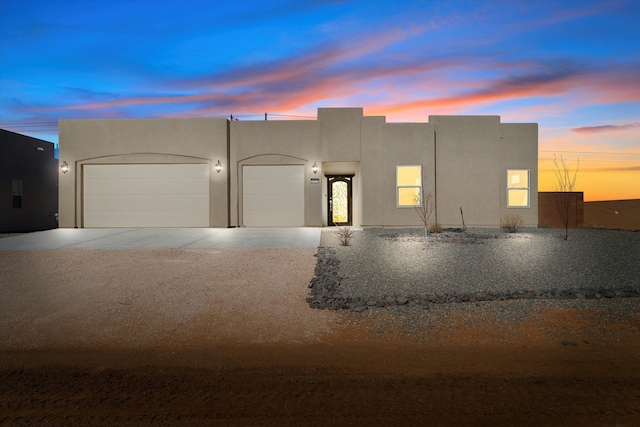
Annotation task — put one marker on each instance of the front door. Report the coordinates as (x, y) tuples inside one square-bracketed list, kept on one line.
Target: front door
[(339, 195)]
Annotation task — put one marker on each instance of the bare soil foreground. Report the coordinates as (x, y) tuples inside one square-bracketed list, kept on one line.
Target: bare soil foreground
[(225, 338)]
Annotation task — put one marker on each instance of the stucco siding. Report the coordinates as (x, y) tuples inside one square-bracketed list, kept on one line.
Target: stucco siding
[(467, 154), (519, 150), (31, 163), (340, 134), (405, 144), (464, 162), (121, 141), (371, 171), (287, 142)]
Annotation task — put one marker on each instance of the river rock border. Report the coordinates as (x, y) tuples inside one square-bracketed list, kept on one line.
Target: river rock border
[(325, 292)]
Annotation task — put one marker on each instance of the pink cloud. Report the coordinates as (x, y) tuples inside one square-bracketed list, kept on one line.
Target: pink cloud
[(605, 128)]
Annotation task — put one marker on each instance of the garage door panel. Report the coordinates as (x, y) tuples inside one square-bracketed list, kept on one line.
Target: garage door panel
[(273, 219), (258, 203), (274, 187), (157, 219), (147, 203), (149, 186), (146, 195), (273, 196)]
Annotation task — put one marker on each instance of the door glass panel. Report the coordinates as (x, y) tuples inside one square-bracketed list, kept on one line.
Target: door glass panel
[(340, 202)]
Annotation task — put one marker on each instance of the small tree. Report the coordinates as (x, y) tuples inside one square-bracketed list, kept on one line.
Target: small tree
[(564, 182), (424, 204)]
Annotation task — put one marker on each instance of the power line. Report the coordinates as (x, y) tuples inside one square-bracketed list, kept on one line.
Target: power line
[(587, 152)]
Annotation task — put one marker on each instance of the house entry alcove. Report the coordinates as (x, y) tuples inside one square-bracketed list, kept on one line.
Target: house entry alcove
[(339, 200)]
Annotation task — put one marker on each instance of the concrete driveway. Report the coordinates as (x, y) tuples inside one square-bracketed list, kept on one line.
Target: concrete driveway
[(163, 238)]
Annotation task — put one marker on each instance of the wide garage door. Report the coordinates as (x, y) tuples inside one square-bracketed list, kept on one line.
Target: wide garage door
[(273, 196), (150, 195)]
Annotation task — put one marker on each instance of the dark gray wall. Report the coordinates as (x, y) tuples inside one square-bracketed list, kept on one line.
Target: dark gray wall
[(21, 159)]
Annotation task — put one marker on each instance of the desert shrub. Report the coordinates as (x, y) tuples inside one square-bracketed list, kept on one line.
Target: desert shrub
[(344, 235), (434, 227), (511, 223)]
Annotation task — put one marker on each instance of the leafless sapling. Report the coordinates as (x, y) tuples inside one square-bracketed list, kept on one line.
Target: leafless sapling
[(564, 182), (424, 204)]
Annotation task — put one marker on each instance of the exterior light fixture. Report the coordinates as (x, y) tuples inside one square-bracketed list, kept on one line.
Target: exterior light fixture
[(218, 166), (64, 167), (314, 168)]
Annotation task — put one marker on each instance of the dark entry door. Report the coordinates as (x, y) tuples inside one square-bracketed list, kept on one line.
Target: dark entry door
[(339, 194)]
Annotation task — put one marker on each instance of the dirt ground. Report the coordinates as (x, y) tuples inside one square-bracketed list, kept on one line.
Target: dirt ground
[(182, 338), (554, 368)]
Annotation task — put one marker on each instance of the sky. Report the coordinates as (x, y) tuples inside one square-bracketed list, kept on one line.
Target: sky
[(573, 67)]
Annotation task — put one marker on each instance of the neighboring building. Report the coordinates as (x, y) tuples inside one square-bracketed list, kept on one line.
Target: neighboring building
[(549, 206), (343, 168), (28, 183)]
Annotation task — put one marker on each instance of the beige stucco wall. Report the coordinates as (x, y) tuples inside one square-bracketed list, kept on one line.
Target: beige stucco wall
[(467, 150), (286, 142), (464, 161), (340, 134), (83, 142), (473, 155), (519, 150), (371, 167), (405, 144)]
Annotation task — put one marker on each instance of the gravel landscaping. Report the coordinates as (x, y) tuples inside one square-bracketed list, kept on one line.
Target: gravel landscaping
[(392, 267)]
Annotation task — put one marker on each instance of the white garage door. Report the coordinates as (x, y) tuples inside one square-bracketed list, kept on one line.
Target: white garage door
[(174, 195), (273, 196)]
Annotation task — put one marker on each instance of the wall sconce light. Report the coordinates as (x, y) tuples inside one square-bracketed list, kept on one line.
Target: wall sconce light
[(314, 168), (218, 166), (64, 167)]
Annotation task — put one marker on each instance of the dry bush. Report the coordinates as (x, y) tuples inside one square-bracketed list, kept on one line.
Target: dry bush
[(344, 235), (434, 227), (511, 223)]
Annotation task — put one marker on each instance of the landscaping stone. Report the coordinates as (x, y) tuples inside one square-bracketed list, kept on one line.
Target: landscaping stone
[(327, 290)]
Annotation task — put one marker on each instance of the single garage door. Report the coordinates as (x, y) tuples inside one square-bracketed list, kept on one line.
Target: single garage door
[(273, 196), (134, 195)]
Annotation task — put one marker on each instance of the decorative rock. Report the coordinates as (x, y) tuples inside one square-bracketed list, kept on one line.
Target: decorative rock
[(325, 292), (402, 300)]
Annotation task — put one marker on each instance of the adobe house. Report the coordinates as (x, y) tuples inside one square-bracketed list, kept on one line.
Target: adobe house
[(28, 183), (342, 168)]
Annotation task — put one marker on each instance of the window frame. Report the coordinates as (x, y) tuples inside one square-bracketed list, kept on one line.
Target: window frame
[(17, 194), (398, 187), (527, 188)]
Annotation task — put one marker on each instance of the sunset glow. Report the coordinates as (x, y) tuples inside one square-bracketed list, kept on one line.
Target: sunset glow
[(570, 66)]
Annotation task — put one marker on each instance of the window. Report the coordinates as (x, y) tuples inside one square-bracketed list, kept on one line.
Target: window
[(408, 186), (518, 188), (16, 192)]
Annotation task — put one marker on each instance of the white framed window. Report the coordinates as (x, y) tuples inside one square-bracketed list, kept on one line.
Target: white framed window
[(518, 188), (408, 186)]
